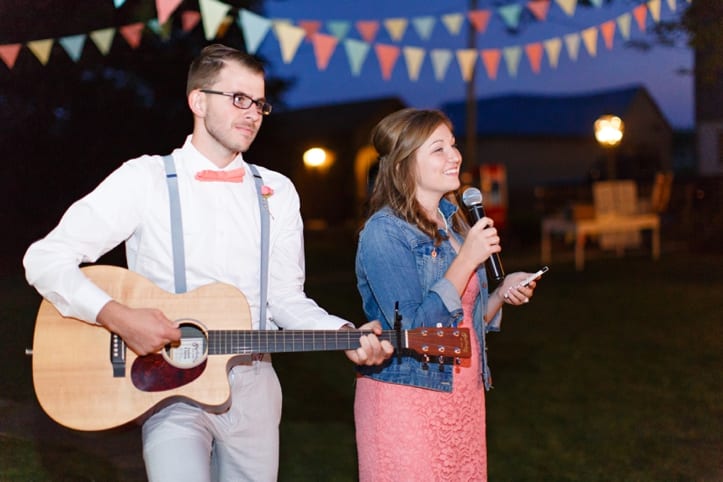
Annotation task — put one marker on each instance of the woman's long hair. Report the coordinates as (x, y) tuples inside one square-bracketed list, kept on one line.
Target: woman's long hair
[(396, 139)]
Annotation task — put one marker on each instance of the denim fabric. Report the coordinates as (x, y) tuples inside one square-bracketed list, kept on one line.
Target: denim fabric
[(396, 262)]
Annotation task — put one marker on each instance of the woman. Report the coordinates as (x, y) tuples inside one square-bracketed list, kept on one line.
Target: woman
[(417, 419)]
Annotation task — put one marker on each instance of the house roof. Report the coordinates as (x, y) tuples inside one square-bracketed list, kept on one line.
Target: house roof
[(556, 115)]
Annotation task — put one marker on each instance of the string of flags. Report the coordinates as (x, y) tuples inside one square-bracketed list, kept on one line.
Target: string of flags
[(359, 38)]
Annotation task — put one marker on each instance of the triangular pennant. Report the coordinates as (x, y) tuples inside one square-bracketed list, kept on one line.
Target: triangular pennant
[(553, 47), (453, 22), (572, 43), (338, 28), (539, 8), (624, 22), (491, 60), (589, 38), (671, 5), (189, 20), (213, 14), (440, 62), (41, 49), (466, 59), (479, 19), (654, 9), (534, 55), (162, 30), (132, 33), (512, 56), (567, 6), (640, 14), (164, 9), (510, 14), (290, 38), (396, 27), (310, 27), (387, 56), (324, 46), (9, 54), (608, 33), (103, 39), (118, 3), (596, 3), (357, 52), (254, 29), (368, 29), (423, 26), (73, 45), (413, 57)]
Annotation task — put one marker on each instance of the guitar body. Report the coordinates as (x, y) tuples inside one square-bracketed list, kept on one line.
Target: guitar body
[(72, 370)]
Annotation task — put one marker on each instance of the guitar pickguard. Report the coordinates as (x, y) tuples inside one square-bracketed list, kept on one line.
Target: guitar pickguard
[(152, 373)]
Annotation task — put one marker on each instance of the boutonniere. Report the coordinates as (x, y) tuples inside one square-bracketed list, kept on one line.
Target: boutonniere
[(266, 191)]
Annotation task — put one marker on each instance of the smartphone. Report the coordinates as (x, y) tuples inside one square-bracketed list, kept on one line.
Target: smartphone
[(532, 277)]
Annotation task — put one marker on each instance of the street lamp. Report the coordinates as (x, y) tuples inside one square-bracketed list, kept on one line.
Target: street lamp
[(609, 132), (318, 158)]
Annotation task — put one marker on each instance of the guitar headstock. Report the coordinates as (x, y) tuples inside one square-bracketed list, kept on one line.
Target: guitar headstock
[(447, 342)]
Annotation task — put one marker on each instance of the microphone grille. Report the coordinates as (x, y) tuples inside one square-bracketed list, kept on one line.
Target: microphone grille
[(471, 196)]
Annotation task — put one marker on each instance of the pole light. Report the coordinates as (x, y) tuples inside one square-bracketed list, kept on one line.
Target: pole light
[(608, 133)]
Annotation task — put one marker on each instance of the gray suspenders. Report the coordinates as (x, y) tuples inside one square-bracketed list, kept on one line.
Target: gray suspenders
[(179, 258)]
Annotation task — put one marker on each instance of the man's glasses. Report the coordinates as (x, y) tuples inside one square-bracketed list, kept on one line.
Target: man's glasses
[(243, 101)]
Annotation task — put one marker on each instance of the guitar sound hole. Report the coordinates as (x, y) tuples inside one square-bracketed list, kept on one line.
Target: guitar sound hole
[(192, 349)]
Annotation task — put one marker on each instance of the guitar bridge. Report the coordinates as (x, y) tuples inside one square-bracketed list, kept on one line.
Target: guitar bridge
[(118, 355)]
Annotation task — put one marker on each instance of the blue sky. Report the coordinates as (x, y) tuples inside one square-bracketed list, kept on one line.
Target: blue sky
[(621, 66)]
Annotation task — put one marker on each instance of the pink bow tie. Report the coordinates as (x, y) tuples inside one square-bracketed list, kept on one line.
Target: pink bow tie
[(233, 175)]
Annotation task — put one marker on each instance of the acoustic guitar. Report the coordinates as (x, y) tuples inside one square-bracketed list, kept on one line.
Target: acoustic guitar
[(86, 379)]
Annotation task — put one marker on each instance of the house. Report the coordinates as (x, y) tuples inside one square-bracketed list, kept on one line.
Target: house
[(549, 139)]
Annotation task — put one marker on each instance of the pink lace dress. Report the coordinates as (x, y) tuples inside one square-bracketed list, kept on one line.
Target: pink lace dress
[(407, 433)]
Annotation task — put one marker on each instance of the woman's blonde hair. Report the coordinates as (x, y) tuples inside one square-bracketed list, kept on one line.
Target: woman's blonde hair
[(396, 139)]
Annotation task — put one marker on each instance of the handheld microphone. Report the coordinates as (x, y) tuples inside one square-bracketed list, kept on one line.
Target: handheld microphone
[(472, 199)]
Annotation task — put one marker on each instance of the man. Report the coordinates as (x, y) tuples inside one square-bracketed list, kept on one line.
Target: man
[(222, 243)]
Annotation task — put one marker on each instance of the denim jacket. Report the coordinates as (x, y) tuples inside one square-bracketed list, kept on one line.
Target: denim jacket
[(396, 262)]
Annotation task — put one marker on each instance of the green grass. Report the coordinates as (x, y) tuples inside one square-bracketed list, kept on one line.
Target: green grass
[(610, 374)]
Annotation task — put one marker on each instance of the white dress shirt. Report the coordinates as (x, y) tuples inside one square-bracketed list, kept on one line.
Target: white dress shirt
[(221, 231)]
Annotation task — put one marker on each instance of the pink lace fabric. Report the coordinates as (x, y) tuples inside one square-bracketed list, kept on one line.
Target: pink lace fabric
[(406, 433)]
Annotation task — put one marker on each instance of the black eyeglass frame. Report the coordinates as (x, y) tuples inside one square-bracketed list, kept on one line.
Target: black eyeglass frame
[(238, 98)]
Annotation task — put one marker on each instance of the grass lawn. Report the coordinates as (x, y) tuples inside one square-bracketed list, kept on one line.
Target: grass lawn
[(610, 374)]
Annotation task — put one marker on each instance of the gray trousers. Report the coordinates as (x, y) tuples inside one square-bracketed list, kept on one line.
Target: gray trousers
[(185, 443)]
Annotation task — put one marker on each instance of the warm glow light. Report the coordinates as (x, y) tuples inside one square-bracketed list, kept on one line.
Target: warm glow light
[(609, 130), (315, 157)]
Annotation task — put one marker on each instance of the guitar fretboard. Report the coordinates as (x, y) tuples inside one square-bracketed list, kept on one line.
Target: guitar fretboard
[(279, 341)]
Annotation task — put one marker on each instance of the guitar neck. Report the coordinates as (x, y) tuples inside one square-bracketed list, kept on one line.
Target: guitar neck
[(224, 342)]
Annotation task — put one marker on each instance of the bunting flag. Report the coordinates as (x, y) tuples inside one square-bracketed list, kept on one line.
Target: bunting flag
[(213, 14), (9, 54), (357, 52), (324, 46), (534, 55), (41, 49), (396, 27), (414, 58), (311, 27), (589, 38), (165, 8), (453, 22), (608, 33), (254, 29), (553, 47), (491, 60), (466, 59), (539, 8), (441, 59), (425, 25), (387, 56), (324, 37)]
